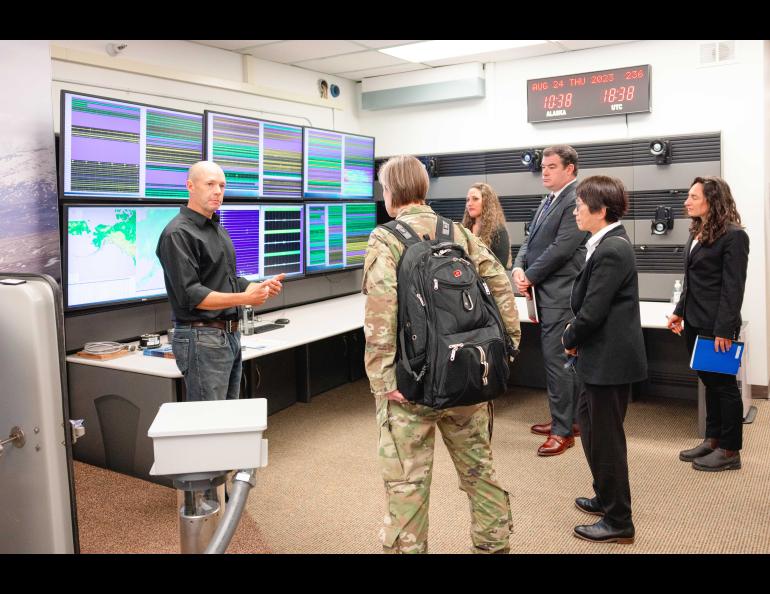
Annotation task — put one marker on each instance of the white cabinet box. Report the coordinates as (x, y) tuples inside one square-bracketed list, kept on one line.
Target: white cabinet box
[(191, 437)]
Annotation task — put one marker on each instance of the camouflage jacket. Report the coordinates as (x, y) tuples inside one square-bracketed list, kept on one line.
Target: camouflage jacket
[(379, 285)]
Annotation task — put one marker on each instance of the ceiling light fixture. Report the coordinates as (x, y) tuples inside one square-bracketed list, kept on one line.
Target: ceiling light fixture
[(428, 51)]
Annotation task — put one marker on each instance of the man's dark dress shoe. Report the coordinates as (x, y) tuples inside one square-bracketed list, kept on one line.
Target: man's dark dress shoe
[(702, 449), (603, 532), (718, 460), (589, 506), (545, 429), (555, 445)]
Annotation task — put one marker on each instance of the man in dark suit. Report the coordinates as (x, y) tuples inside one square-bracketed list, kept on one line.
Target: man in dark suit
[(605, 337), (547, 263)]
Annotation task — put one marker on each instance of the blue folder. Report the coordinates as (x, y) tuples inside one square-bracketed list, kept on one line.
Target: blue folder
[(704, 358)]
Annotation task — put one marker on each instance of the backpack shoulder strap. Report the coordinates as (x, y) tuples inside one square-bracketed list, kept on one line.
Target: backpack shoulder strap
[(402, 231), (445, 229)]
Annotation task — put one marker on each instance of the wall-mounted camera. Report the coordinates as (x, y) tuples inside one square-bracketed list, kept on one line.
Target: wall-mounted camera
[(661, 150), (663, 221), (532, 159)]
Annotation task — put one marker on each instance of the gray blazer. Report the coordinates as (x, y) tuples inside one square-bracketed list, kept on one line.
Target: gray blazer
[(554, 252)]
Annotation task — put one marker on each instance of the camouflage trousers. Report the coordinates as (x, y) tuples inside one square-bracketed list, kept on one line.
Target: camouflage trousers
[(407, 438)]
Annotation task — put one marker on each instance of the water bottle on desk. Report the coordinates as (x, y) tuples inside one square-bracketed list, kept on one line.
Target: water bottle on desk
[(247, 324), (677, 295)]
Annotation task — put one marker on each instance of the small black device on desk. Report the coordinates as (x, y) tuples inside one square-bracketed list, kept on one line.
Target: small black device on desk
[(266, 328), (282, 321)]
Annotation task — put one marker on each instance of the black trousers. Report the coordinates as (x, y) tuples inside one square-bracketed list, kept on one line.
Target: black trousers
[(561, 384), (601, 411), (724, 407)]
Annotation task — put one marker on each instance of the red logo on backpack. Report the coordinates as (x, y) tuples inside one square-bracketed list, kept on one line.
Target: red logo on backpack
[(457, 273)]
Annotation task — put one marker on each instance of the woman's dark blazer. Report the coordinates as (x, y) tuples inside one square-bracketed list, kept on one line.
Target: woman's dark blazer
[(607, 327), (714, 281)]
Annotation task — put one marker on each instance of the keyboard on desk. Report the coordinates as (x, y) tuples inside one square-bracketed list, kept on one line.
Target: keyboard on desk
[(266, 328)]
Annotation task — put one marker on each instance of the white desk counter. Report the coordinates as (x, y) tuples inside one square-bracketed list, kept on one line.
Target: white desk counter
[(308, 323)]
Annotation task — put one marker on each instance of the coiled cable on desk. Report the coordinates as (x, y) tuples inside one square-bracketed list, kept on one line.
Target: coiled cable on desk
[(105, 347)]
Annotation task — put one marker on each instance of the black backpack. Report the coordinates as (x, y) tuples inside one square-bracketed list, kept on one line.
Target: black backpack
[(452, 348)]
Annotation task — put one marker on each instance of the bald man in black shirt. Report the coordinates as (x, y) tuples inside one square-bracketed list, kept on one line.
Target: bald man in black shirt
[(198, 261)]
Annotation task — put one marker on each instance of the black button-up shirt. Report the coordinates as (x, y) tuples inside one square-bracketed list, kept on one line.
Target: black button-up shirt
[(198, 257)]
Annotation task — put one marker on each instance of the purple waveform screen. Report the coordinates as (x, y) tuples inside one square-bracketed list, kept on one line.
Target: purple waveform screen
[(101, 146), (242, 223)]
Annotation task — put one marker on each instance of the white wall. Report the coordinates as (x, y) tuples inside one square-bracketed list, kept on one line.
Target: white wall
[(194, 77), (686, 99)]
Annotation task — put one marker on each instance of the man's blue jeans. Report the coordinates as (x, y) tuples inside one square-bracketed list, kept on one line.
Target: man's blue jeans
[(210, 361)]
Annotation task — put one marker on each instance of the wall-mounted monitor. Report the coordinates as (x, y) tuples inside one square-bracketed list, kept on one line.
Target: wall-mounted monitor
[(338, 165), (261, 159), (124, 150), (337, 234), (268, 239), (109, 253)]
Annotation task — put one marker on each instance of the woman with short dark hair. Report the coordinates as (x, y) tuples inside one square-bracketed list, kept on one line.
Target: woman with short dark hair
[(716, 259), (605, 339)]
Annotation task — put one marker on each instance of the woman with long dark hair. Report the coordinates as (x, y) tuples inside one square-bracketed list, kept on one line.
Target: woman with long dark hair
[(716, 259), (485, 219)]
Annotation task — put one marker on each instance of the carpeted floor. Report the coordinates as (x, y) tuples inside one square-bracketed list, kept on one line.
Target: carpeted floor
[(322, 491), (122, 514)]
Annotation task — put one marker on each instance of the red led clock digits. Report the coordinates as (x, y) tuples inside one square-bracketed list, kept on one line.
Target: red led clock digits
[(562, 100), (618, 94)]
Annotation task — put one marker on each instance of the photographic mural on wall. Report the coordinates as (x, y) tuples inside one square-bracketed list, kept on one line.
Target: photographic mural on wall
[(29, 219)]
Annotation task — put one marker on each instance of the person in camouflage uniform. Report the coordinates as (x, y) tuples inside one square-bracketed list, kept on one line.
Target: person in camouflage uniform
[(407, 431)]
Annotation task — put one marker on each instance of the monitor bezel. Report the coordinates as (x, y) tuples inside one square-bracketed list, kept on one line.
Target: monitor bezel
[(341, 198)]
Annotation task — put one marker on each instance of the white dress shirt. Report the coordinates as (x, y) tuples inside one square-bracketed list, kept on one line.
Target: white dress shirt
[(553, 201), (597, 237)]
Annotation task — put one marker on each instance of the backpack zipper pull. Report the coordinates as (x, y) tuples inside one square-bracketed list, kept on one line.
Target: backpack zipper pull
[(419, 298), (454, 348), (484, 365), (435, 284)]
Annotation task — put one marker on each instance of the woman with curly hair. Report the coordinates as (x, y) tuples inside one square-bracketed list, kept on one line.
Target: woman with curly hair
[(484, 217), (716, 258)]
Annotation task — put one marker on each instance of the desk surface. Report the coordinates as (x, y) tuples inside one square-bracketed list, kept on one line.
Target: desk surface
[(310, 323)]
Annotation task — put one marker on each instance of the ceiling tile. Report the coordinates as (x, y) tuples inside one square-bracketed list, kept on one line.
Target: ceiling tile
[(350, 62), (588, 43), (379, 43), (369, 72), (542, 49), (289, 52), (232, 44)]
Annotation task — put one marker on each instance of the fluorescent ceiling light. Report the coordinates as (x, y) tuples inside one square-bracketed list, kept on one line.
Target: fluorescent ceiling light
[(428, 51)]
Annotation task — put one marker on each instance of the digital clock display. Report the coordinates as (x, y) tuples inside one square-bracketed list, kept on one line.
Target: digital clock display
[(590, 94)]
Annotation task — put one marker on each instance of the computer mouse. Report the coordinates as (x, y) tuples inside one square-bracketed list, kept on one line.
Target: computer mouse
[(282, 321)]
